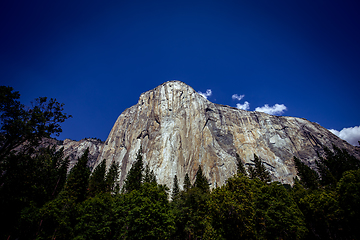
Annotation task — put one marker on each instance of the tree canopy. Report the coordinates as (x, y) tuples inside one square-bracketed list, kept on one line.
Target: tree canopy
[(27, 126), (259, 171)]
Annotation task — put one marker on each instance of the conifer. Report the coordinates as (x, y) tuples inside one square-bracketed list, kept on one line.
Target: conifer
[(240, 165), (201, 181), (308, 177), (176, 189), (78, 180), (187, 183), (111, 177), (134, 177), (97, 182), (259, 171), (332, 166), (149, 176)]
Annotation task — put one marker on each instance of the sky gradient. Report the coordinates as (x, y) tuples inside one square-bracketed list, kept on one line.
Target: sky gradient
[(97, 57)]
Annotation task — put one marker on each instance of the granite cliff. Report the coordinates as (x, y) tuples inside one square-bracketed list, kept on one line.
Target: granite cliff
[(179, 130), (75, 149)]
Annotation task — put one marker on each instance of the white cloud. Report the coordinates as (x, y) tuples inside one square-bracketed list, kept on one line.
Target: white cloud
[(207, 94), (351, 134), (244, 106), (237, 97), (277, 109)]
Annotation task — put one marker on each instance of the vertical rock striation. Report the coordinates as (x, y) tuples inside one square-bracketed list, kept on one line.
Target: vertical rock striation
[(179, 130)]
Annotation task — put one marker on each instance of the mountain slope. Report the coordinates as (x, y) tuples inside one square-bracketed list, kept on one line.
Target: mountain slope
[(75, 149), (179, 130)]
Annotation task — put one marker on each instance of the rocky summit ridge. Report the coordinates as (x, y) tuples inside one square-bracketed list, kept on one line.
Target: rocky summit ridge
[(75, 149), (179, 130)]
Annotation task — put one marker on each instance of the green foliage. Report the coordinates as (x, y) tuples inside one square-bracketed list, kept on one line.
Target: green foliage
[(187, 183), (134, 177), (240, 166), (29, 176), (95, 218), (38, 202), (27, 183), (110, 179), (322, 213), (143, 213), (251, 209), (149, 176), (326, 177), (191, 215), (259, 171), (191, 210), (298, 191), (201, 181), (277, 214), (78, 179), (143, 210), (334, 164), (176, 189), (232, 209), (97, 183), (71, 215), (348, 190), (27, 126), (56, 219), (308, 177), (332, 212), (252, 172)]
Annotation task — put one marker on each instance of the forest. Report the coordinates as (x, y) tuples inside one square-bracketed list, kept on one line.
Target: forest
[(41, 199)]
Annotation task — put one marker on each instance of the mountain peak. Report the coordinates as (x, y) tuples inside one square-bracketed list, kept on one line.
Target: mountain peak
[(179, 130), (172, 96)]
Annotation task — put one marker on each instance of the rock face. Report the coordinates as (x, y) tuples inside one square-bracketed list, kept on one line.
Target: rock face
[(179, 130), (75, 149)]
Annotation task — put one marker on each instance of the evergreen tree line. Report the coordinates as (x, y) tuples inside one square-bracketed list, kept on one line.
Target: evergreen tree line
[(42, 201), (39, 199)]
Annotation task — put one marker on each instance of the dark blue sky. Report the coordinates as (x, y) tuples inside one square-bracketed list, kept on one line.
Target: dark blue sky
[(97, 57)]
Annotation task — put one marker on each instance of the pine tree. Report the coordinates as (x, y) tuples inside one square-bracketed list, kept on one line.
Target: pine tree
[(252, 172), (134, 177), (240, 166), (334, 164), (149, 176), (259, 171), (201, 181), (176, 189), (327, 178), (111, 177), (187, 183), (97, 182), (61, 173), (78, 180), (308, 177), (51, 170)]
